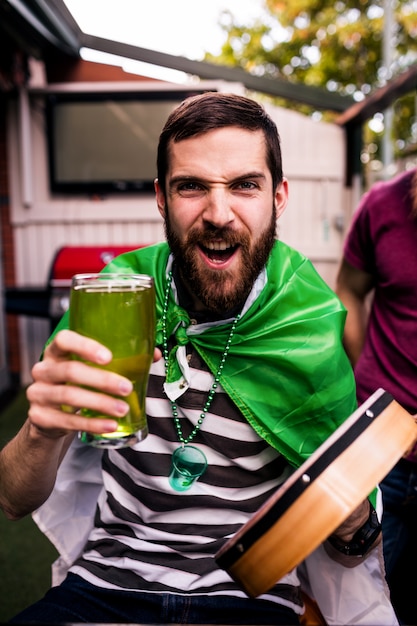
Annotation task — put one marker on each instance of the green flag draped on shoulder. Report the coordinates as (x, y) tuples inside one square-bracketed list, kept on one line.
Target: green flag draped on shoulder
[(286, 369)]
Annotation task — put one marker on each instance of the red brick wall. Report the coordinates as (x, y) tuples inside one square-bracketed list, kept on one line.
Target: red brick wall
[(62, 69), (7, 264)]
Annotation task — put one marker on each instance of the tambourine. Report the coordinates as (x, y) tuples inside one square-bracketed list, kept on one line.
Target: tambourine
[(319, 495)]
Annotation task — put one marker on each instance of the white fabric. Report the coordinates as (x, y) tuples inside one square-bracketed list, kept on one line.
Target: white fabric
[(357, 595), (66, 518), (175, 389)]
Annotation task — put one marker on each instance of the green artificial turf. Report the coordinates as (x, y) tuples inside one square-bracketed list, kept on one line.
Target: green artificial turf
[(26, 554)]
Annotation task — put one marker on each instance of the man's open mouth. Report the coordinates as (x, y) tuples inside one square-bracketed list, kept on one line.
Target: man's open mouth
[(219, 251)]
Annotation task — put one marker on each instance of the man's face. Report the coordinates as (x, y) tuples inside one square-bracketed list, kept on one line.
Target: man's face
[(220, 213)]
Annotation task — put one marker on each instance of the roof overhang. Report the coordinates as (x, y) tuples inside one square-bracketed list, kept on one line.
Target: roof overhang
[(41, 25), (312, 96), (381, 99)]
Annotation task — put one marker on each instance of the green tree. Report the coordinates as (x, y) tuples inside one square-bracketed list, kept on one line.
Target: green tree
[(335, 45)]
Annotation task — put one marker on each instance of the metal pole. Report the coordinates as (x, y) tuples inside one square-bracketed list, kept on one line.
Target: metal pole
[(387, 57)]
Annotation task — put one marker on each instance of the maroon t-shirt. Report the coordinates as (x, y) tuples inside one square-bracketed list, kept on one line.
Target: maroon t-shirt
[(383, 242)]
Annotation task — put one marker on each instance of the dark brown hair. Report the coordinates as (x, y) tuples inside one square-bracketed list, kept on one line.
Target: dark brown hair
[(212, 110)]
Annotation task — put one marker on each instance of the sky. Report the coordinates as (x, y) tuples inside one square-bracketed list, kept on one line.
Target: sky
[(186, 28)]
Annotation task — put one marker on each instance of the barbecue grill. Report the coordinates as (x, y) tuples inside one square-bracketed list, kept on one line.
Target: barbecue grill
[(52, 300)]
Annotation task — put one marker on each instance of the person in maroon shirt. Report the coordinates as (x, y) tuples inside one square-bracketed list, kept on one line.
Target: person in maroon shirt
[(377, 282)]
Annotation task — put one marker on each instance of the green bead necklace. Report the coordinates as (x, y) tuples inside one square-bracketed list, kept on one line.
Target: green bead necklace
[(185, 440)]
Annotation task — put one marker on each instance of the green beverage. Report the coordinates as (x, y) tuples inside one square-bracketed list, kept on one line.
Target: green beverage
[(188, 464), (118, 310)]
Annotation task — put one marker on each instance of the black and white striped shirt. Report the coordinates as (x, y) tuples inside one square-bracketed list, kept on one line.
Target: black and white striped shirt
[(151, 538)]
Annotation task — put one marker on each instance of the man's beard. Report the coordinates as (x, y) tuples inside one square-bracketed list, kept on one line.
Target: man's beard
[(221, 291)]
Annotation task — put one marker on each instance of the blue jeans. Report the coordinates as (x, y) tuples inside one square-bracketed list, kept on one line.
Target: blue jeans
[(399, 530), (76, 600)]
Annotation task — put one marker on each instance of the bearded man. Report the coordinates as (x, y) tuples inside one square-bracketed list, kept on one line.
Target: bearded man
[(249, 369)]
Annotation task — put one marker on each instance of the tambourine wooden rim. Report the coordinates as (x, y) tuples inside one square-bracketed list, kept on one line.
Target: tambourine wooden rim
[(320, 495)]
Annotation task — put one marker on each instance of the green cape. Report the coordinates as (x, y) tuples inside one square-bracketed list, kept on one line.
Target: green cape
[(286, 370)]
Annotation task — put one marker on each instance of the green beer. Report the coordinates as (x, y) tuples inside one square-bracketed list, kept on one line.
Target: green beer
[(118, 310)]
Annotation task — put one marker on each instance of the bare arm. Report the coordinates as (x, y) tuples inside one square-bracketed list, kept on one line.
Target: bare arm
[(29, 462), (353, 287), (346, 533)]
